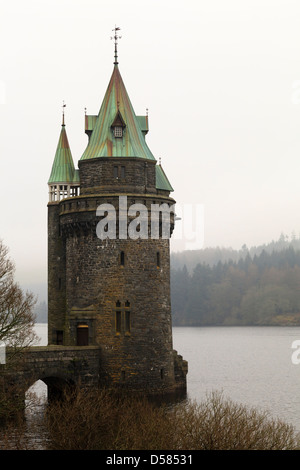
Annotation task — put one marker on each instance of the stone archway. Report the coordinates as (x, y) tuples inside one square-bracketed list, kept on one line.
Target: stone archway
[(47, 389), (58, 387), (38, 389)]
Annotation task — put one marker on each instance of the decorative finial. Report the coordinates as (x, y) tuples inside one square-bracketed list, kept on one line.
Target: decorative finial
[(160, 160), (116, 37), (63, 113)]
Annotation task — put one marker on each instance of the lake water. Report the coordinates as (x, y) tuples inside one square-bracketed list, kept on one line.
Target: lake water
[(250, 365)]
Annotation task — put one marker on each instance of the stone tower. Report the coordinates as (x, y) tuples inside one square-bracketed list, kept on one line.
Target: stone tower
[(109, 224)]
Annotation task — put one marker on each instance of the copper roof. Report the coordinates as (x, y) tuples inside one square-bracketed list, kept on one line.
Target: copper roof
[(116, 109), (162, 181), (102, 142), (63, 170)]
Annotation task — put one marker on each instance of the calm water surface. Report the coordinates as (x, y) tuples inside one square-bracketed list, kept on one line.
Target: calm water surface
[(250, 365)]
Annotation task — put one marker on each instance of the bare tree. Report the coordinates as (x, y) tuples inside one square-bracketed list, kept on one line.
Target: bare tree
[(16, 307)]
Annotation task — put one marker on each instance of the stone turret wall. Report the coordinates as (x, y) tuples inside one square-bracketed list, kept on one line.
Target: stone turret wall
[(117, 289), (117, 175), (98, 287), (56, 274)]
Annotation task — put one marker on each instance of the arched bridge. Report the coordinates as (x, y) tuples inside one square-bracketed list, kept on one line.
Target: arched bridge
[(57, 366)]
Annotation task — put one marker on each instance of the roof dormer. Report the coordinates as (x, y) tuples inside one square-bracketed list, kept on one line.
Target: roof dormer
[(118, 125)]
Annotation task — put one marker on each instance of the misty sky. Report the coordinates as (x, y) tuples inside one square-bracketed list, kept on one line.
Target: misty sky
[(221, 81)]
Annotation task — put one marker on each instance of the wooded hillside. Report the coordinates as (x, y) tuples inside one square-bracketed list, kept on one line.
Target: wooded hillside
[(252, 287)]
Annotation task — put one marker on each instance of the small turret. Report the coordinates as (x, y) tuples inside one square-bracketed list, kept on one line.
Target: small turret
[(64, 179)]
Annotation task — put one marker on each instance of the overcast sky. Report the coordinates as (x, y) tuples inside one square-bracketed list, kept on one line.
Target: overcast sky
[(221, 81)]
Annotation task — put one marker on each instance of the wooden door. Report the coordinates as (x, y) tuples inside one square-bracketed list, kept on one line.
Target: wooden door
[(82, 335)]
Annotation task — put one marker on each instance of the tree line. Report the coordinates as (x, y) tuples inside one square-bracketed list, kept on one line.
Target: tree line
[(223, 286), (212, 255), (262, 289)]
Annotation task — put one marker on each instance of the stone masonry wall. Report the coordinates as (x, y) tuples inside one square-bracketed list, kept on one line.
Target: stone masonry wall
[(57, 365), (118, 289), (56, 274), (99, 175)]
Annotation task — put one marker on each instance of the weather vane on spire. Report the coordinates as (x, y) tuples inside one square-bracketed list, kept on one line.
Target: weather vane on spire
[(63, 113), (116, 37)]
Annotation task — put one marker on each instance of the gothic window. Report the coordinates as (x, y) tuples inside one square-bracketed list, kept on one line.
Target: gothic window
[(127, 321), (122, 258), (116, 172), (122, 318), (122, 172), (127, 317), (118, 317), (118, 321)]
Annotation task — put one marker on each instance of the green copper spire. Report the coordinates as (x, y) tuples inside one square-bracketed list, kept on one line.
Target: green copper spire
[(117, 131), (63, 170)]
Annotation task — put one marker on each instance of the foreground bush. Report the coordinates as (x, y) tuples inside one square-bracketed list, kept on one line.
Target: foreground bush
[(220, 424), (102, 421), (106, 422)]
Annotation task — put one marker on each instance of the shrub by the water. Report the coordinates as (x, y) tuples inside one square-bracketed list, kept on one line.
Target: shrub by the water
[(103, 421)]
